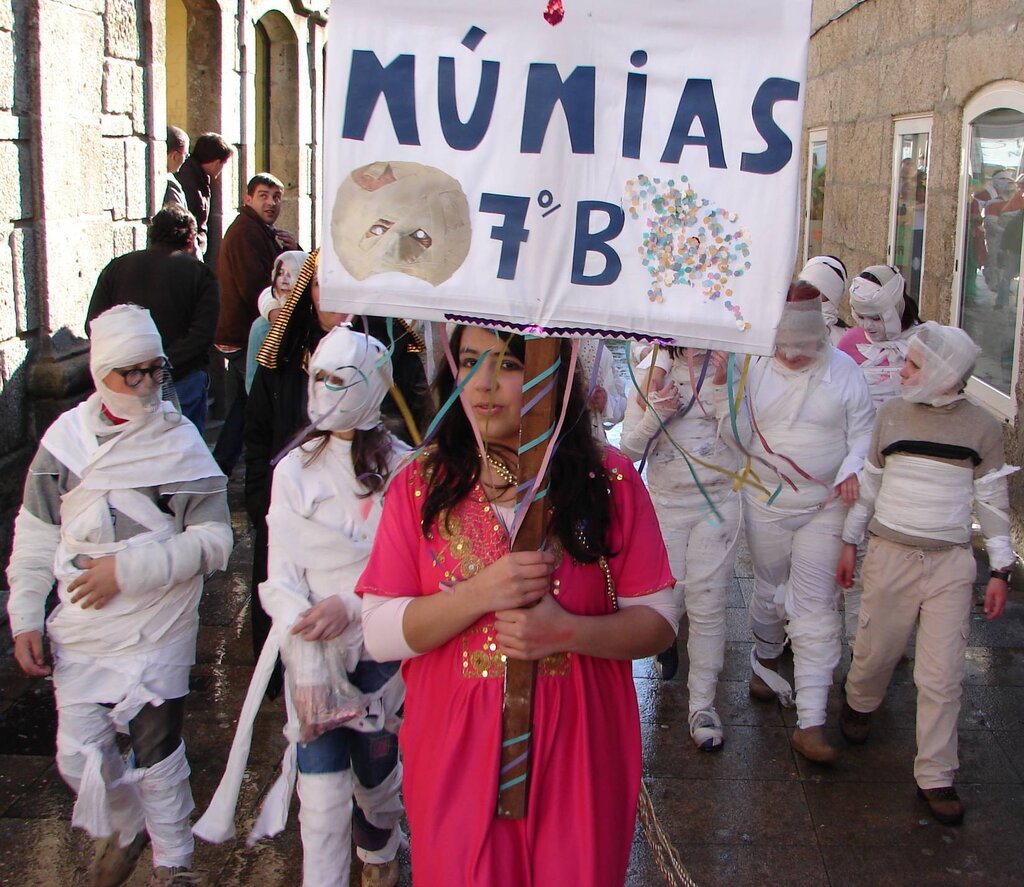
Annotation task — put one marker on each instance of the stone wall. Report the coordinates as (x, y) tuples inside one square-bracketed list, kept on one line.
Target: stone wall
[(881, 59)]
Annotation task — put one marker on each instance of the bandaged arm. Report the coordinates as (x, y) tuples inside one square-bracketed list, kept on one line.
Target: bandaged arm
[(992, 506), (267, 302), (36, 537), (203, 546), (859, 516)]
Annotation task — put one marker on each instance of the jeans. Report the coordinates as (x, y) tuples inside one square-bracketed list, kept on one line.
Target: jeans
[(229, 442), (191, 391)]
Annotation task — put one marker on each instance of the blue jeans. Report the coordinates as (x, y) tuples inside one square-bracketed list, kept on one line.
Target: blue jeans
[(372, 756), (230, 439), (191, 391)]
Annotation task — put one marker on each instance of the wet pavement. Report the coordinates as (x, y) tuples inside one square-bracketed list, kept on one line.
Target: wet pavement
[(754, 813)]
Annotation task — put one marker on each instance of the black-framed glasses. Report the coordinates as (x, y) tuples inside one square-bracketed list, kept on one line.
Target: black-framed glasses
[(133, 377)]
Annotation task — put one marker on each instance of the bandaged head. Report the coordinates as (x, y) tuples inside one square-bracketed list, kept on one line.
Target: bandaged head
[(399, 216), (355, 375), (827, 275), (802, 332), (876, 300), (945, 357), (121, 337)]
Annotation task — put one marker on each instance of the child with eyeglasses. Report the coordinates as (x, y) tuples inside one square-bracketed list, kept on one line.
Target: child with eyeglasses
[(125, 508)]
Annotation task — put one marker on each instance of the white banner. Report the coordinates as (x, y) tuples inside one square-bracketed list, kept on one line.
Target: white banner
[(630, 168)]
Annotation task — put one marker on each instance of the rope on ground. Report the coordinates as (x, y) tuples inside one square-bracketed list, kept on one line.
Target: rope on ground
[(666, 857)]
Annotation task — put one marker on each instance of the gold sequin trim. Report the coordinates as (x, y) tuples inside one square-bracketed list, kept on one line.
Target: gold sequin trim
[(486, 661)]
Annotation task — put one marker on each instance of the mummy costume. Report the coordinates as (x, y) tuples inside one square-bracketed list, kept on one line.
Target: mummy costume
[(932, 456), (146, 492), (700, 528), (812, 426), (343, 707)]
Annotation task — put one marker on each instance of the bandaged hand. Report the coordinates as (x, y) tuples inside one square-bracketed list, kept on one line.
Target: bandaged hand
[(323, 621), (97, 583), (666, 400), (535, 632), (28, 653)]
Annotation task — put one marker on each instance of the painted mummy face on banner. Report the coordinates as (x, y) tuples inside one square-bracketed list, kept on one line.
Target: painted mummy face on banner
[(404, 217)]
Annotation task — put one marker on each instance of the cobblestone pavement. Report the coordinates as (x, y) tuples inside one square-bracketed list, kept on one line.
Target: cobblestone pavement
[(753, 814)]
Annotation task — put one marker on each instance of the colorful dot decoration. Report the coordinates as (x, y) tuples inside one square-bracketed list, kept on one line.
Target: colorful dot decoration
[(688, 241)]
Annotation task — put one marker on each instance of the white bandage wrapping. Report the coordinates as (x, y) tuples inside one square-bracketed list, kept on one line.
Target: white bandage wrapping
[(30, 572), (992, 504), (200, 549), (816, 650), (927, 498), (667, 603), (859, 516)]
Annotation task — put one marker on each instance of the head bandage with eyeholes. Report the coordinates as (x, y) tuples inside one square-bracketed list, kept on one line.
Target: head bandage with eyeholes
[(120, 337), (802, 331), (827, 275), (404, 217), (946, 355), (883, 300), (357, 377)]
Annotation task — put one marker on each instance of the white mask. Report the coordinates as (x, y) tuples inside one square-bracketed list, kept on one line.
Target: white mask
[(358, 376), (830, 313)]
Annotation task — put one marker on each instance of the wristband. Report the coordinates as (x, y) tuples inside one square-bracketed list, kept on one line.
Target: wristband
[(1000, 574)]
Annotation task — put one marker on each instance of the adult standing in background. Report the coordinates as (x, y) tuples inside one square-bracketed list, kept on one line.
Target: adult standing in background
[(244, 268), (209, 156), (177, 151), (181, 294)]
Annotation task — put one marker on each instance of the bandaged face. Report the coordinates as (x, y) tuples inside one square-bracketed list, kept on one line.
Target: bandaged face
[(126, 361), (404, 217), (939, 358), (878, 308), (801, 335), (829, 312), (349, 376), (873, 326)]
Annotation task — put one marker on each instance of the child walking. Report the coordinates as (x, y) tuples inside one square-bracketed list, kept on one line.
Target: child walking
[(125, 508), (343, 707), (933, 454)]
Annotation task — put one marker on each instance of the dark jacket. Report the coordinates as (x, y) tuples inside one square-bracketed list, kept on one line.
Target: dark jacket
[(244, 264), (180, 292), (196, 185)]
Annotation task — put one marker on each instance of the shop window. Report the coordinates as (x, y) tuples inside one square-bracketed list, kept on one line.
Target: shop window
[(987, 301), (911, 145), (817, 154)]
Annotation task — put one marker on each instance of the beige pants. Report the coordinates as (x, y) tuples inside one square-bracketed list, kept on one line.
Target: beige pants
[(904, 586)]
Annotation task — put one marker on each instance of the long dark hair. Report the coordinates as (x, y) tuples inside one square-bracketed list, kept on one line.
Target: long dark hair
[(579, 495), (370, 456)]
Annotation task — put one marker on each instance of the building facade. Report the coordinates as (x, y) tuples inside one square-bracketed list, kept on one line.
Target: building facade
[(87, 88), (914, 136)]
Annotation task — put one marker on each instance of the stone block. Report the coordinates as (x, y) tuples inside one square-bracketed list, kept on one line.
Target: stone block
[(114, 197), (860, 150), (122, 29), (136, 178), (70, 64), (22, 243), (117, 86), (138, 108), (982, 10), (6, 70), (85, 248), (8, 316), (11, 207), (123, 236), (941, 16), (910, 74), (116, 125), (858, 94), (977, 58)]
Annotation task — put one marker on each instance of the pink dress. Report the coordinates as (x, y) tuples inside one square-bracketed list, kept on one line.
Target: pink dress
[(586, 738), (850, 340)]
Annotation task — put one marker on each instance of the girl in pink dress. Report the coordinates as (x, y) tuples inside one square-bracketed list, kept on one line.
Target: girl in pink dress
[(443, 592)]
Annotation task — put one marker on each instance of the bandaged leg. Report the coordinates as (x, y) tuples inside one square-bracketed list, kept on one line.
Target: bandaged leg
[(769, 540), (378, 804), (167, 801), (816, 648), (710, 556), (89, 762), (325, 822)]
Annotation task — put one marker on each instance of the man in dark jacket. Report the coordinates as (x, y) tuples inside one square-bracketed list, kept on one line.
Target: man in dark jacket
[(209, 156), (182, 295), (244, 264)]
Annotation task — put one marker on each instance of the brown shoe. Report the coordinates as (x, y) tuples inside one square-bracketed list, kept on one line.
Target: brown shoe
[(384, 874), (113, 864), (813, 745), (174, 876), (759, 690), (854, 725), (944, 804)]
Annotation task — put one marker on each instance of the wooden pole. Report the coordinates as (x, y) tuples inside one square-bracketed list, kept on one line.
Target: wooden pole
[(520, 676)]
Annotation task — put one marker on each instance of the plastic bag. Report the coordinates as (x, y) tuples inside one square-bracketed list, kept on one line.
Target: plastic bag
[(321, 693)]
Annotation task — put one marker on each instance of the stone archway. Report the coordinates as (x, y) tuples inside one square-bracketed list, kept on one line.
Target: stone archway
[(276, 110)]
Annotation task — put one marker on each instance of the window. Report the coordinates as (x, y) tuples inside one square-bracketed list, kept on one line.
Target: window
[(817, 152), (911, 143), (987, 300)]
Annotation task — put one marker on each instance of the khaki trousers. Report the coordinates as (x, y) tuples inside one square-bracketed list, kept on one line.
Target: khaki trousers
[(904, 586)]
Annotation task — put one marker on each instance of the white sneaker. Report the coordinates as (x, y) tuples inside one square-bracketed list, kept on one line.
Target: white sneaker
[(706, 729)]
